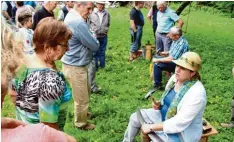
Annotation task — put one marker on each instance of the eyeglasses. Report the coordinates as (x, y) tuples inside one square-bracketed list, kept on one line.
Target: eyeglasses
[(64, 45), (193, 64)]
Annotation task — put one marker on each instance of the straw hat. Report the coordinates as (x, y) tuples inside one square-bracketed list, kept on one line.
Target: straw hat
[(189, 60), (100, 2)]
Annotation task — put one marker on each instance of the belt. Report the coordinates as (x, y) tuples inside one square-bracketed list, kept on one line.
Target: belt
[(163, 33)]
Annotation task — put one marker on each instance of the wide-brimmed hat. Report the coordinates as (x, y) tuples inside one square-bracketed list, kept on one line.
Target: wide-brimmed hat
[(100, 2), (189, 60)]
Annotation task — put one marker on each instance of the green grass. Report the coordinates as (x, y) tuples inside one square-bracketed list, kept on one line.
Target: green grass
[(124, 84)]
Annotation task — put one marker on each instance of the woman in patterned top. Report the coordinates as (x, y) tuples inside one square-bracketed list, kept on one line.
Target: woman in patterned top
[(41, 90), (13, 130)]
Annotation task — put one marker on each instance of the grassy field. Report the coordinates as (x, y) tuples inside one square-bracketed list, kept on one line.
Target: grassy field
[(124, 84)]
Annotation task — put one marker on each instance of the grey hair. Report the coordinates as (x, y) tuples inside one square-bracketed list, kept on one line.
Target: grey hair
[(164, 3), (81, 3), (176, 31)]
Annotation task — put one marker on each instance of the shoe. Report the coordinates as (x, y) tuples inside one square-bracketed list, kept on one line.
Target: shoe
[(158, 87), (88, 126), (96, 90), (227, 125)]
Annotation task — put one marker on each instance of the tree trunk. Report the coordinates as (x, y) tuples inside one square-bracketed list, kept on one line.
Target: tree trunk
[(183, 5)]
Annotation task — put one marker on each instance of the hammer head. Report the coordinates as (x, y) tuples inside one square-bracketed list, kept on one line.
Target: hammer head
[(150, 93)]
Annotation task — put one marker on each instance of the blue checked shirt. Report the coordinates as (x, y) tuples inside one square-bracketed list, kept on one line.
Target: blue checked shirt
[(178, 48)]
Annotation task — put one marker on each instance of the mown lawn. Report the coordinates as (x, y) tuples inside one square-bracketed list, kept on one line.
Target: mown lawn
[(125, 84)]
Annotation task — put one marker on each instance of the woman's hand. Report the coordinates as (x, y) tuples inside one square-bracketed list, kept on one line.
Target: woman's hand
[(11, 123), (156, 105), (155, 60), (146, 128)]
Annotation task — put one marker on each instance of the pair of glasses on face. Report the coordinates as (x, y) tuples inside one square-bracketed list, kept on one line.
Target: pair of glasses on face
[(63, 45), (193, 64)]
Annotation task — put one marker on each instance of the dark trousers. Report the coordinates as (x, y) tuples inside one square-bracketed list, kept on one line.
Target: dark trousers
[(154, 30), (100, 55), (158, 68)]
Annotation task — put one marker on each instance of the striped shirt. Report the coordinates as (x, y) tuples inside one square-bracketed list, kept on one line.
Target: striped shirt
[(178, 48)]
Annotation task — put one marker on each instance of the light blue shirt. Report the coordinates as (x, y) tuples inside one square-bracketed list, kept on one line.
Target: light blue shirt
[(82, 43), (28, 40), (166, 20), (178, 48)]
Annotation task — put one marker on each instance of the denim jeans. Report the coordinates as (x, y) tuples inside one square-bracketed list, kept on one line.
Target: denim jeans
[(136, 39), (163, 43), (100, 55), (158, 68)]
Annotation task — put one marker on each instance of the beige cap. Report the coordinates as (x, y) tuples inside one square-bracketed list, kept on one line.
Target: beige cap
[(100, 2), (189, 60)]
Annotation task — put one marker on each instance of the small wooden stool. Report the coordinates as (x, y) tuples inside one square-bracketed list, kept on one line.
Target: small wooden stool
[(205, 136)]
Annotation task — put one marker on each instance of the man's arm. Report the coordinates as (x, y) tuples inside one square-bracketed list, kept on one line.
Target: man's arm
[(132, 25), (180, 23), (163, 60), (6, 15), (86, 37), (149, 15)]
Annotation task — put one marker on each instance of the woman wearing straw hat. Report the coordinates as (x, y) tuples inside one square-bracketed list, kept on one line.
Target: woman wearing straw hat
[(179, 113)]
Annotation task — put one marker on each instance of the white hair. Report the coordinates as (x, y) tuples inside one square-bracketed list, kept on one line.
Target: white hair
[(164, 3), (176, 31)]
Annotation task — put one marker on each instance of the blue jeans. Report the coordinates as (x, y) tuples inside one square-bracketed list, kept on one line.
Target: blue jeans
[(158, 68), (136, 39), (100, 55), (163, 43)]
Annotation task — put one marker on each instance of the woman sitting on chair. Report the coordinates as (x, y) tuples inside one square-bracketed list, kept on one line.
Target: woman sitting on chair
[(178, 115)]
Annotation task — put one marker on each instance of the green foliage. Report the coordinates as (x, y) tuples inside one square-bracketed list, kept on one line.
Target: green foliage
[(226, 7), (125, 84)]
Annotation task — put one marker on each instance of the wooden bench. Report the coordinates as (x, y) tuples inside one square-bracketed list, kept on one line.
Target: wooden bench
[(204, 138)]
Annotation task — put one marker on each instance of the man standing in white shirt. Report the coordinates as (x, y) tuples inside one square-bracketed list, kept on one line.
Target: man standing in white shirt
[(6, 10), (63, 12)]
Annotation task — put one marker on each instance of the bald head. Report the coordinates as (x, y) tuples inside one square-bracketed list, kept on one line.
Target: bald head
[(176, 31)]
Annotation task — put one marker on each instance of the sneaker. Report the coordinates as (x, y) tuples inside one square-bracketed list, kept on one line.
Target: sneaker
[(96, 90), (88, 126), (158, 87), (227, 125)]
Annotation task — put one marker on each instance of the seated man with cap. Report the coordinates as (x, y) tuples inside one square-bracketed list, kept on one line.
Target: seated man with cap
[(164, 61)]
